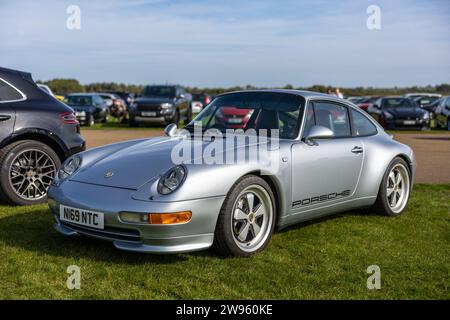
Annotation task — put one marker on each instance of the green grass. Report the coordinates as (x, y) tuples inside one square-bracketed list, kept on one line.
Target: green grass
[(326, 259)]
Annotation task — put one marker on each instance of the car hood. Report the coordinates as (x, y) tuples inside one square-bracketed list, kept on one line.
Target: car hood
[(135, 165), (405, 112), (153, 100)]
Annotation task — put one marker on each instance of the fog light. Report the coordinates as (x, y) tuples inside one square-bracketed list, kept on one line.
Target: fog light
[(170, 218), (133, 217)]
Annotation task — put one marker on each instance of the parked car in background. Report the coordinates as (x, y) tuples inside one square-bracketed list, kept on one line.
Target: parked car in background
[(160, 104), (417, 95), (424, 101), (365, 103), (89, 107), (37, 133), (442, 113), (47, 89), (125, 96), (356, 100), (117, 107), (398, 112), (232, 117), (199, 101)]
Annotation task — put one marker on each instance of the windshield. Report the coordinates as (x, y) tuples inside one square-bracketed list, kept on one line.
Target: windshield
[(159, 91), (78, 100), (253, 110), (398, 103)]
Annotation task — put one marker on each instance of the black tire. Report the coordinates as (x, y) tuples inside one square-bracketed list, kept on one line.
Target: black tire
[(224, 239), (105, 119), (7, 156), (381, 205), (90, 121), (132, 122)]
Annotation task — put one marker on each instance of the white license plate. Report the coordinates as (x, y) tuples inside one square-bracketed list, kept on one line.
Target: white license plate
[(409, 122), (82, 217), (234, 120), (149, 114)]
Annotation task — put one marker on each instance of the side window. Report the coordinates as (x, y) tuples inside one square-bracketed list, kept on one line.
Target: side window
[(8, 93), (98, 100), (334, 117), (362, 125)]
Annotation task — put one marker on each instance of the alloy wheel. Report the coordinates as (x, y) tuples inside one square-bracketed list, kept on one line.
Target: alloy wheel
[(397, 189), (31, 173), (251, 218)]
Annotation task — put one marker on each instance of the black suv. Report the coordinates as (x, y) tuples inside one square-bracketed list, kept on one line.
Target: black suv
[(161, 105), (37, 133), (89, 108)]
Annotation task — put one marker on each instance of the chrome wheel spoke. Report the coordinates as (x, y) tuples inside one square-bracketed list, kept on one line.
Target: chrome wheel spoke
[(256, 229), (250, 201), (239, 214), (389, 191), (260, 209), (243, 233)]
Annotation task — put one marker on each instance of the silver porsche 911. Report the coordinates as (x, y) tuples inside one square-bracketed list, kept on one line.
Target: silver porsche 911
[(250, 162)]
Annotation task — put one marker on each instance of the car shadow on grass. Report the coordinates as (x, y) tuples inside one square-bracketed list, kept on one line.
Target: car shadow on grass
[(314, 221), (33, 231)]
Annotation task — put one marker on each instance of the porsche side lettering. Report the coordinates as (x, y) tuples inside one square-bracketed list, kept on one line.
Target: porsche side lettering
[(322, 198)]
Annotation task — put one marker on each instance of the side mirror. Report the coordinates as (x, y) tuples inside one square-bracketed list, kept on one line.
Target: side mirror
[(171, 130), (318, 132)]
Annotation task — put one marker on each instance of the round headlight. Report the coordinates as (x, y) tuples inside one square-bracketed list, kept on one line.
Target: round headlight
[(69, 167), (172, 180)]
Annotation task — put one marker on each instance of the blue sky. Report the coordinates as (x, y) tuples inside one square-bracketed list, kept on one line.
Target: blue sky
[(230, 42)]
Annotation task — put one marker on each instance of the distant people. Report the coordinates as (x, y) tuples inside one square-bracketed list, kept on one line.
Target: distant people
[(339, 94), (330, 92)]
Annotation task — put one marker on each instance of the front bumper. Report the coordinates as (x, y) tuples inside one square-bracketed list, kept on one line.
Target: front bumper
[(197, 234), (406, 124)]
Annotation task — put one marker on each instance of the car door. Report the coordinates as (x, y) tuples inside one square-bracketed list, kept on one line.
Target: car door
[(326, 172)]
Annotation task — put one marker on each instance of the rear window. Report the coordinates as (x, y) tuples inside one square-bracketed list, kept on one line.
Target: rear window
[(78, 100), (8, 93), (396, 103), (362, 126)]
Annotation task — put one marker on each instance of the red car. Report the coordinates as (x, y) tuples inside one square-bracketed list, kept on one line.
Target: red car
[(364, 105), (233, 118)]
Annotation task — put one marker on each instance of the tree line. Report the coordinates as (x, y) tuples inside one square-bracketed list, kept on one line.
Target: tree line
[(65, 86)]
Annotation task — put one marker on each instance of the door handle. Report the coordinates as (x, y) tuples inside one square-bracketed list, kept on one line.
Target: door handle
[(4, 118), (357, 150)]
